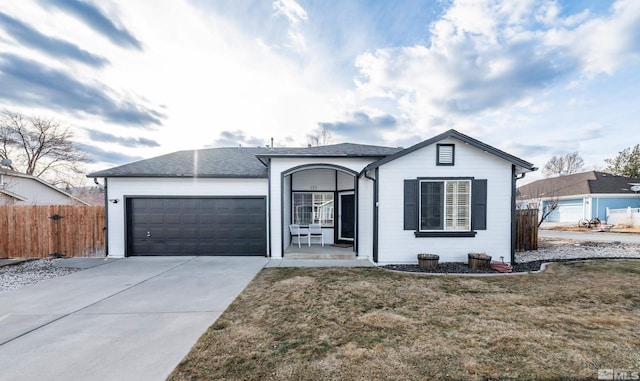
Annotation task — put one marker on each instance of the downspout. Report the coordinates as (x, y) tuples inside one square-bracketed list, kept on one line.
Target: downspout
[(513, 211), (375, 213), (357, 223), (268, 216), (106, 218)]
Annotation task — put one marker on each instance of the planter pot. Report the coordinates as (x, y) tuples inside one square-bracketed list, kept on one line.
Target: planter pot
[(428, 261), (479, 260)]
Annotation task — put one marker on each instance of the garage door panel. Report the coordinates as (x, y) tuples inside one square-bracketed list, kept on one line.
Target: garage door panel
[(156, 218), (206, 218), (189, 233), (197, 226), (189, 218), (173, 233), (173, 204), (154, 203), (207, 203), (140, 233)]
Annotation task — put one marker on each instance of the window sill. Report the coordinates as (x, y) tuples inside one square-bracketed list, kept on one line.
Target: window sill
[(445, 234)]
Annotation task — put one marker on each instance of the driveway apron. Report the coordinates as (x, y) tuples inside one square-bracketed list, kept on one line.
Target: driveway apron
[(130, 319)]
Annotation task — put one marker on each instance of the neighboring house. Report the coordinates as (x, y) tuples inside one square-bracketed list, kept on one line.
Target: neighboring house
[(449, 195), (581, 195), (20, 189)]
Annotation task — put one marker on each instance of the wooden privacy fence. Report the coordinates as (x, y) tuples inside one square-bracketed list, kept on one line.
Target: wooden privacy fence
[(40, 231), (527, 229)]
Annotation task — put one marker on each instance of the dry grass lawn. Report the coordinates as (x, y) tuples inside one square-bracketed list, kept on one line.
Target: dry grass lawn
[(371, 324)]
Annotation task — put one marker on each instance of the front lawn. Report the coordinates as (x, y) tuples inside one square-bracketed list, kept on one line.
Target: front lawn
[(372, 324)]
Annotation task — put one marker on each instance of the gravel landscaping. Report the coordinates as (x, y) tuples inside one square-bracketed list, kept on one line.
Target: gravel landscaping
[(15, 276), (550, 250)]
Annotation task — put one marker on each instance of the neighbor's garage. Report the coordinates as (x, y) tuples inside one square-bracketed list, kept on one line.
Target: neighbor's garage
[(196, 226), (567, 211)]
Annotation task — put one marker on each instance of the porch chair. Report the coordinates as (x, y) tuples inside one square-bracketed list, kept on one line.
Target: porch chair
[(315, 231), (296, 231)]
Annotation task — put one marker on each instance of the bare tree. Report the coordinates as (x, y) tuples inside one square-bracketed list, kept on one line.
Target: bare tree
[(566, 164), (321, 136), (38, 146), (537, 196)]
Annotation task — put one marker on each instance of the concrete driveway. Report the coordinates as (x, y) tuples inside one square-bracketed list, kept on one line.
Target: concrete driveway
[(128, 319)]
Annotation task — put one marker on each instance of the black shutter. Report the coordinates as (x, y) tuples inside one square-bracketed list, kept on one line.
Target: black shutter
[(479, 205), (411, 205)]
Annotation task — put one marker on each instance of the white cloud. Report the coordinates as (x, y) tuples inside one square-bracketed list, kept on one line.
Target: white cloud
[(291, 10), (518, 74), (604, 44), (295, 14), (488, 55)]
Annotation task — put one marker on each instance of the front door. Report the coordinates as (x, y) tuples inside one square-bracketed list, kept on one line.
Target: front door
[(347, 217)]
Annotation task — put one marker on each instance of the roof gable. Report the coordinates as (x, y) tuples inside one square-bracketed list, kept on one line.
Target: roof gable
[(522, 165), (36, 182)]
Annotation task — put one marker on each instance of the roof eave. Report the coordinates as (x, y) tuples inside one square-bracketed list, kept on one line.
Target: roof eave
[(167, 175)]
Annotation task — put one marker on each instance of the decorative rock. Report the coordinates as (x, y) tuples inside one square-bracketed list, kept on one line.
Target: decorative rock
[(26, 273)]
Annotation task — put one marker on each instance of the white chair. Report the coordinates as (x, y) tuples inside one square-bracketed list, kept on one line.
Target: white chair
[(315, 231), (296, 231)]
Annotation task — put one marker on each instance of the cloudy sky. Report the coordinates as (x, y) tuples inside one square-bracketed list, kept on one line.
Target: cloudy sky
[(136, 79)]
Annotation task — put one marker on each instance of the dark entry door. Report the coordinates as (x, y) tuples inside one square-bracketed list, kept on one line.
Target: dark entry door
[(347, 217), (196, 226)]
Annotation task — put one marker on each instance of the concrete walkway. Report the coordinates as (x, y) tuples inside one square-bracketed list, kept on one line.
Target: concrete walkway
[(279, 262), (128, 319)]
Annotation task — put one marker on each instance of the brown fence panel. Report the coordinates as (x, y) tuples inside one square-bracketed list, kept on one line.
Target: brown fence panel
[(527, 229), (38, 231)]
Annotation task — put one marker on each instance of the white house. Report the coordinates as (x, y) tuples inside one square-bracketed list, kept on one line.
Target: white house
[(449, 195), (21, 189)]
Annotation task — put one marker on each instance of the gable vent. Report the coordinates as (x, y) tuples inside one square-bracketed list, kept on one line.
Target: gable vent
[(445, 154)]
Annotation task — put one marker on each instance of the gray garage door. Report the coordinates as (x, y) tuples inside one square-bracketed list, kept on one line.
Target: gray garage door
[(196, 226)]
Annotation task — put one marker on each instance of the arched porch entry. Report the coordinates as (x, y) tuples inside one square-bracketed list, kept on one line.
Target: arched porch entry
[(324, 194)]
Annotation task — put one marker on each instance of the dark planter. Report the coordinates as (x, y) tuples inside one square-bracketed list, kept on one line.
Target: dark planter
[(428, 261), (479, 261)]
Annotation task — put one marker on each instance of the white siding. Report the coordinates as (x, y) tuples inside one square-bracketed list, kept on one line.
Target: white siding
[(34, 192), (118, 188), (314, 180), (345, 181), (401, 246)]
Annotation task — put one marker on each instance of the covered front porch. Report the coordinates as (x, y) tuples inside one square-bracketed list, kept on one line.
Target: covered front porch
[(324, 195)]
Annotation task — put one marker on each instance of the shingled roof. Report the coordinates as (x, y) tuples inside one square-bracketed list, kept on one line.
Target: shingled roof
[(233, 162), (592, 182)]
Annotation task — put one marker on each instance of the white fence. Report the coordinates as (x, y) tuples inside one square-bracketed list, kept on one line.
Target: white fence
[(627, 216)]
